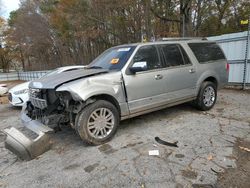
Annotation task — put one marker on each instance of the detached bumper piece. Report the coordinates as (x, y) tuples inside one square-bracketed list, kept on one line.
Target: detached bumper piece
[(24, 146)]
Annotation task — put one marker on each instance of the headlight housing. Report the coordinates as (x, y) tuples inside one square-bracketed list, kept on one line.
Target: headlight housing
[(21, 91)]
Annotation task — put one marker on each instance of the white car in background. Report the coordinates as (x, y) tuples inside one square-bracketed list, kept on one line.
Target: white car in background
[(19, 95)]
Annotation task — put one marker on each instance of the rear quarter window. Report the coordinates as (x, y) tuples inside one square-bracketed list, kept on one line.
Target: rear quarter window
[(206, 52)]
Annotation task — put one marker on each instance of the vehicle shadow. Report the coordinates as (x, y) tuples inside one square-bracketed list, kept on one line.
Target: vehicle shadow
[(166, 114)]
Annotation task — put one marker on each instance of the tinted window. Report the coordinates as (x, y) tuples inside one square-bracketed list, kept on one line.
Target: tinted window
[(205, 52), (172, 54), (148, 54), (113, 58)]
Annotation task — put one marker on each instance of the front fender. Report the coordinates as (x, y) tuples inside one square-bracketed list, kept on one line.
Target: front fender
[(109, 84)]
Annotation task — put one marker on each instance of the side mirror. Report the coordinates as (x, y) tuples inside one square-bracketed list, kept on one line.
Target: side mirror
[(138, 67)]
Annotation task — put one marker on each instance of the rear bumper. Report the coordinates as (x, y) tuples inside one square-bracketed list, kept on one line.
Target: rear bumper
[(25, 147)]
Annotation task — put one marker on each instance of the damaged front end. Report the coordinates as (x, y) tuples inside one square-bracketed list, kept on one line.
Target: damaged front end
[(58, 100), (46, 111)]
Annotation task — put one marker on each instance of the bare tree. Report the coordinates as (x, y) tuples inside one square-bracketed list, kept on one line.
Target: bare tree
[(51, 33), (222, 7)]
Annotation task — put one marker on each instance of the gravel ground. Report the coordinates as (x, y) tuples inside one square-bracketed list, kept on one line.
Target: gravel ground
[(208, 153)]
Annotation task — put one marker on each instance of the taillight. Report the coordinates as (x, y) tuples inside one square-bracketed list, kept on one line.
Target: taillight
[(227, 67)]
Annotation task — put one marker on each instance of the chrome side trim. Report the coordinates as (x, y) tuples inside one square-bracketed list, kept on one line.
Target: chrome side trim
[(158, 108)]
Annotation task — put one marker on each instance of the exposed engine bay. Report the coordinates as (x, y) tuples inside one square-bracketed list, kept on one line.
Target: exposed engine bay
[(52, 108)]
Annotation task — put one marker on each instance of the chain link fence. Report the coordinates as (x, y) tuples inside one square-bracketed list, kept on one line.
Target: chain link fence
[(27, 76)]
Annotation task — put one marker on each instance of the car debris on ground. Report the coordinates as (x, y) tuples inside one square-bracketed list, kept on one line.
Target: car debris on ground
[(172, 144), (245, 149), (153, 152)]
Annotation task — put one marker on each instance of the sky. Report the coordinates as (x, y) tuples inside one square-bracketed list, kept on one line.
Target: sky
[(7, 6)]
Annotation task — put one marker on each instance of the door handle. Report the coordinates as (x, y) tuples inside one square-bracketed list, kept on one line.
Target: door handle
[(192, 70), (158, 76)]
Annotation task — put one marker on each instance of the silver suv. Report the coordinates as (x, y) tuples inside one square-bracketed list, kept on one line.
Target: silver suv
[(123, 82)]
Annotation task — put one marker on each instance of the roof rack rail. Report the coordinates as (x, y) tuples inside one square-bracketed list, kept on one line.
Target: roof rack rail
[(181, 38)]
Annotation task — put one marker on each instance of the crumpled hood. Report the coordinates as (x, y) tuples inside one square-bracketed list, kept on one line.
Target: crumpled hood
[(53, 81)]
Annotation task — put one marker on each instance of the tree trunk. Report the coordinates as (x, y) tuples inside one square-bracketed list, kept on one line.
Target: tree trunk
[(147, 19), (22, 59), (185, 18)]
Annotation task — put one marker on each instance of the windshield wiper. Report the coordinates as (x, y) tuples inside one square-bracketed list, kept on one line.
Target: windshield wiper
[(94, 67)]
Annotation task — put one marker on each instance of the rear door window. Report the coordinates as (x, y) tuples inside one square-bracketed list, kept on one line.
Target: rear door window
[(206, 52), (172, 55)]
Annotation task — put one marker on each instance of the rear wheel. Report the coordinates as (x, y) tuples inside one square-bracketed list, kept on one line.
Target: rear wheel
[(97, 123), (207, 96)]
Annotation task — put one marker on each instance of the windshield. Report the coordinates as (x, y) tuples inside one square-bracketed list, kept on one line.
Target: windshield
[(113, 58)]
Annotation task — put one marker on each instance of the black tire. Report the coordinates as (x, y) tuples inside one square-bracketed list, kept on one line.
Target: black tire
[(199, 102), (84, 117)]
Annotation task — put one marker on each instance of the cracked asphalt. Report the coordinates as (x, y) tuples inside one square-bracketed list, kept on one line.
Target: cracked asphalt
[(206, 144)]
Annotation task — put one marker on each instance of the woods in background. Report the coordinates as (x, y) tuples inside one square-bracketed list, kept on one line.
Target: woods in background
[(44, 34)]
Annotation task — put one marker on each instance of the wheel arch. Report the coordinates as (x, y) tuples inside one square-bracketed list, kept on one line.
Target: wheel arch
[(105, 97), (211, 79), (207, 76)]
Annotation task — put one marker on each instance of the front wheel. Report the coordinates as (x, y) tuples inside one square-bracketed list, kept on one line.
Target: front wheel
[(207, 96), (98, 122)]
